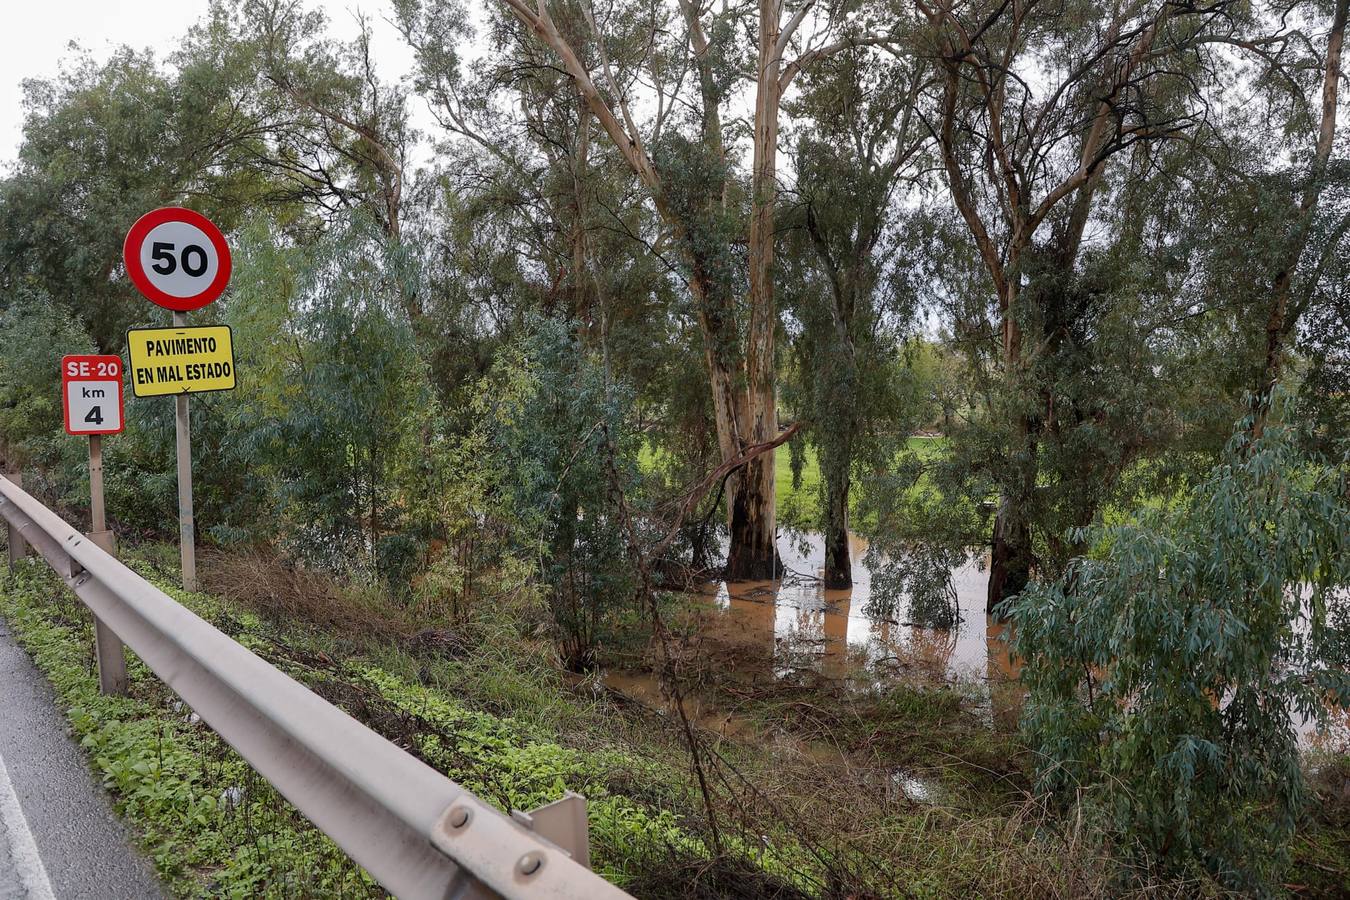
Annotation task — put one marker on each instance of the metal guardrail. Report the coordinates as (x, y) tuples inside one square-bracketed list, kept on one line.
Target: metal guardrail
[(416, 831)]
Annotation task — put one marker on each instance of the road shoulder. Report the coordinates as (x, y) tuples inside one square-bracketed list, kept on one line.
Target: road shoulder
[(85, 849)]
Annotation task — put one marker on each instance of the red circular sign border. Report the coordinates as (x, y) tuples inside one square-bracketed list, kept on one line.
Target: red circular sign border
[(131, 256)]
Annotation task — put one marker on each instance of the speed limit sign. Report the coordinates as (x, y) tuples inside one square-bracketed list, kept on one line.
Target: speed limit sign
[(177, 258)]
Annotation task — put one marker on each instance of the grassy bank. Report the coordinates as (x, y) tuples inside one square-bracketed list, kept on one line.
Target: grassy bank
[(213, 828), (812, 794), (506, 725), (495, 715)]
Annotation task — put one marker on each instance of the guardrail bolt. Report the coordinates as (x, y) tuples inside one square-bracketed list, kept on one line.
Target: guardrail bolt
[(459, 817), (530, 863)]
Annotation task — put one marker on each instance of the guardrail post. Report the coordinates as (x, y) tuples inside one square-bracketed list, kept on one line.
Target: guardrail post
[(108, 650), (108, 647), (563, 823), (18, 547)]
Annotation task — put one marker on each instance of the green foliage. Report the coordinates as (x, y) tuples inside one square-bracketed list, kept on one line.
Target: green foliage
[(334, 400), (558, 443), (35, 334), (1167, 673), (448, 376), (920, 514)]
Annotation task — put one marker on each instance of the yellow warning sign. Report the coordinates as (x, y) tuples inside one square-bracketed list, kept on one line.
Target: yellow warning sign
[(180, 360)]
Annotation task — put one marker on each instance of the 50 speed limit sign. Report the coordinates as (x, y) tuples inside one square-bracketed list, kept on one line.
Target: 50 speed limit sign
[(91, 394), (177, 258)]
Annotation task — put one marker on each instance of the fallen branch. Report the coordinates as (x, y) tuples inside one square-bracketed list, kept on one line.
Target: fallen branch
[(717, 476)]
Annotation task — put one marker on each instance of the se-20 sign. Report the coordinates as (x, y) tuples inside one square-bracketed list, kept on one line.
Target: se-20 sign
[(91, 394)]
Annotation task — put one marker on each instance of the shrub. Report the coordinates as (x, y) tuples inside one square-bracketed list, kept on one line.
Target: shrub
[(1167, 675), (557, 447)]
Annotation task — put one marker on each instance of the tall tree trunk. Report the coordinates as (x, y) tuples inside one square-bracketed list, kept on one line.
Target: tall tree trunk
[(836, 460), (1011, 554), (580, 275), (744, 402), (754, 552)]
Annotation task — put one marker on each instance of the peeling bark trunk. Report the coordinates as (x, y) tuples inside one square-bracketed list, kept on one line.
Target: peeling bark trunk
[(744, 399), (754, 553), (581, 310)]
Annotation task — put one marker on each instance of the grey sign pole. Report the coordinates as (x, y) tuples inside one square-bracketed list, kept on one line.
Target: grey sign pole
[(112, 661), (186, 529), (18, 547)]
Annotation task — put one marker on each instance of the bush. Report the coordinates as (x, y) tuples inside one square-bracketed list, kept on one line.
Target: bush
[(557, 448), (35, 334), (1166, 676)]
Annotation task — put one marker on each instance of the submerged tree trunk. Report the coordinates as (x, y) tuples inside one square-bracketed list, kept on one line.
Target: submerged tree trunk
[(836, 458), (753, 555), (754, 528), (1011, 556), (838, 561)]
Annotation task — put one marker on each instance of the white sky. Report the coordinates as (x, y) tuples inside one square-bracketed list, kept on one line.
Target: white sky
[(34, 38)]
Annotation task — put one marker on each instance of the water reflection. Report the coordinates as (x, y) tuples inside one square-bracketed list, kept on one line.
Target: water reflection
[(783, 628), (796, 624)]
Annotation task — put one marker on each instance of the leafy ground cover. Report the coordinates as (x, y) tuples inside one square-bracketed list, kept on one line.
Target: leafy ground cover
[(213, 828)]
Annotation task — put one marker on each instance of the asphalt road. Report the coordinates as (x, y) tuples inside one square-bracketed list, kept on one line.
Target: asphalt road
[(59, 837)]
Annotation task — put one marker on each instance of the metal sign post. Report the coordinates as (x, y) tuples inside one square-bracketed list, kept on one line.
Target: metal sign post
[(108, 648), (178, 259), (91, 399), (179, 362), (187, 534)]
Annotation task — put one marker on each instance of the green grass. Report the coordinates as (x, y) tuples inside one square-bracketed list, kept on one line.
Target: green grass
[(210, 825), (213, 828), (799, 506), (168, 775)]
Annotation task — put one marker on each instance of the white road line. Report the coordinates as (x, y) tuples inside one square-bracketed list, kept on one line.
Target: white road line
[(23, 850)]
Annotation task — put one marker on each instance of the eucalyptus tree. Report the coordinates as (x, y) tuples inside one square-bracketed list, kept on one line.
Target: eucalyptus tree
[(233, 121), (1036, 108), (668, 118), (1167, 675), (525, 180), (354, 123), (334, 412), (1286, 218), (861, 135)]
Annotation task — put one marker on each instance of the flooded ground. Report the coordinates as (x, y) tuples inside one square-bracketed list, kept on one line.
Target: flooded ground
[(797, 620), (783, 629)]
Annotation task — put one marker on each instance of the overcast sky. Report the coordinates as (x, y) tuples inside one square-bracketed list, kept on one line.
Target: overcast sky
[(34, 38)]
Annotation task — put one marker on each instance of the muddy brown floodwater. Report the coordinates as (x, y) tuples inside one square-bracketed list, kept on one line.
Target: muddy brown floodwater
[(797, 624), (780, 628), (798, 618)]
